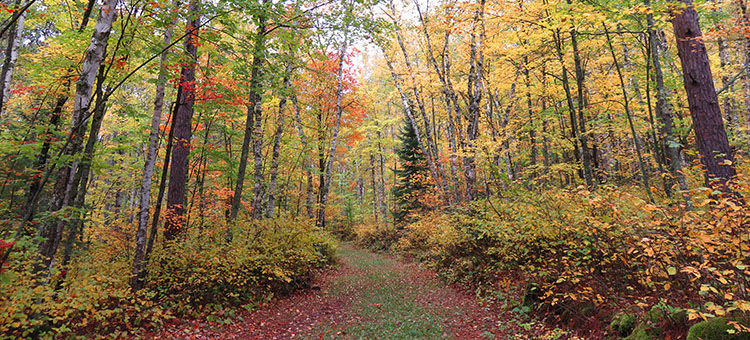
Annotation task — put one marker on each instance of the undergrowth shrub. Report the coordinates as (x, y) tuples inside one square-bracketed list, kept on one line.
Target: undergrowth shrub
[(607, 248), (264, 257), (198, 276)]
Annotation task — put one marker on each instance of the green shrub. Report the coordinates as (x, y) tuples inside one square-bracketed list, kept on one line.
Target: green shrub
[(715, 329), (264, 258), (198, 275)]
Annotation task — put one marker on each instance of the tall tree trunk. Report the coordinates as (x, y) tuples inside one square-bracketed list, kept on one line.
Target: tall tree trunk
[(474, 89), (148, 168), (432, 151), (305, 149), (182, 134), (569, 100), (11, 55), (530, 112), (81, 178), (447, 92), (746, 66), (713, 145), (51, 233), (252, 127), (664, 113), (275, 151), (41, 161), (162, 185), (375, 193), (409, 110), (626, 104), (326, 184), (580, 85)]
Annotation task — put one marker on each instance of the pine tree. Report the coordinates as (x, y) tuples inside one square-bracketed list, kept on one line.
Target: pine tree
[(412, 177)]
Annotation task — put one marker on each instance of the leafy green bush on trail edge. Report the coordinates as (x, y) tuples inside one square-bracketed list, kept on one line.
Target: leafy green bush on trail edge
[(608, 247), (197, 276)]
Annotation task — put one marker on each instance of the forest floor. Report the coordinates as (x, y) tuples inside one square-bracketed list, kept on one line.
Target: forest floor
[(367, 296)]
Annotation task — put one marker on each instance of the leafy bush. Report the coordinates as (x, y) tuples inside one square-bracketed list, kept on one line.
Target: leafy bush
[(264, 257), (199, 275), (598, 247)]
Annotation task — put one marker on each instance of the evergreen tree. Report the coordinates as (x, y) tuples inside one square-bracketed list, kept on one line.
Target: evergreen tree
[(412, 177)]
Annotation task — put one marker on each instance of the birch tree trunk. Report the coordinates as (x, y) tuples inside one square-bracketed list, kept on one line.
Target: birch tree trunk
[(270, 205), (408, 109), (448, 93), (51, 233), (11, 55), (148, 168), (432, 151)]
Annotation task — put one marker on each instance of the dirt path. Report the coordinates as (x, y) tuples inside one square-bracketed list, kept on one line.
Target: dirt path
[(370, 296)]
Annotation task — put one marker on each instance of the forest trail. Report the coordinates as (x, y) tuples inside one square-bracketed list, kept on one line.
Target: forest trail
[(366, 296)]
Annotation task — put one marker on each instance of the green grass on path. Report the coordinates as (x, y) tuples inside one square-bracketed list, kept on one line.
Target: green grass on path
[(386, 297)]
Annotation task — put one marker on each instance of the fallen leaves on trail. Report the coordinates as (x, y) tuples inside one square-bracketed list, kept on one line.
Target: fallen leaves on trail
[(319, 313)]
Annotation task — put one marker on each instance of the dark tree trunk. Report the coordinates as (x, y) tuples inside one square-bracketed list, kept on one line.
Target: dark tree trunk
[(176, 193), (253, 120), (713, 145)]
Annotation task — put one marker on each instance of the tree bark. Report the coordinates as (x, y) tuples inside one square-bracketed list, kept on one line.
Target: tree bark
[(11, 55), (325, 186), (713, 145), (626, 104), (664, 114), (432, 151), (252, 127), (51, 233), (474, 89), (582, 136), (270, 205), (305, 149), (182, 134), (148, 168)]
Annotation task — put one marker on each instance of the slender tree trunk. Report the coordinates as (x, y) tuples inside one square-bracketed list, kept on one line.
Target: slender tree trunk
[(51, 233), (41, 161), (569, 99), (432, 151), (81, 178), (664, 113), (582, 136), (326, 184), (409, 110), (252, 124), (275, 152), (626, 104), (182, 134), (305, 149), (375, 193), (448, 93), (746, 66), (474, 88), (713, 145), (162, 185), (11, 55), (148, 168), (530, 111)]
